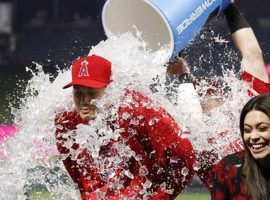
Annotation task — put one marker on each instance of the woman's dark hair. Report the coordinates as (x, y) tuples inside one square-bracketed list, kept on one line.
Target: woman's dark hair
[(252, 174)]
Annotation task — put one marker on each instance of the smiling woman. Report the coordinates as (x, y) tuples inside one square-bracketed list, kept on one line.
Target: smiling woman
[(245, 175), (257, 135)]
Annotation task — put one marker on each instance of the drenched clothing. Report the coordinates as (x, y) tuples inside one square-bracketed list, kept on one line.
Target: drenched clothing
[(228, 181), (257, 85), (151, 133)]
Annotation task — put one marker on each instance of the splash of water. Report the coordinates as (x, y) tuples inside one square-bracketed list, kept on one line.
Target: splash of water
[(32, 158)]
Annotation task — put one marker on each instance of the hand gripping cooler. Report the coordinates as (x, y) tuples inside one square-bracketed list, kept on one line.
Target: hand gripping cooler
[(170, 23)]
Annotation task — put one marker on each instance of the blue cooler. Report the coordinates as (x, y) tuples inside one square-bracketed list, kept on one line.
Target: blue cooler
[(169, 23)]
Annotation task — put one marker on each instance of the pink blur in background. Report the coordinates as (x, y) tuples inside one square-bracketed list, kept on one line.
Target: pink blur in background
[(5, 132)]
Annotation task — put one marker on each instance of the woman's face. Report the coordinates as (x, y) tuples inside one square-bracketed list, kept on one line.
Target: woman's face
[(257, 134)]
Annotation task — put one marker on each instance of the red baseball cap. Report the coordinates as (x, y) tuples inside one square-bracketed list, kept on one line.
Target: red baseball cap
[(91, 71)]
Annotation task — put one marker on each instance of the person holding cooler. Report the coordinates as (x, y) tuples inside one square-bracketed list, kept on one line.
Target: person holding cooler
[(253, 72)]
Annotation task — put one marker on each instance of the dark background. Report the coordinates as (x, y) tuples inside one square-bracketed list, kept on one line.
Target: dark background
[(55, 32)]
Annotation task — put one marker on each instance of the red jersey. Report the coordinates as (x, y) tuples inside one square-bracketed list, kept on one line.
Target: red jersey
[(229, 182), (155, 137)]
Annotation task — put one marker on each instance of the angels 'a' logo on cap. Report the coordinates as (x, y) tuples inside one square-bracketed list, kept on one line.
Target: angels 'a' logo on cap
[(84, 69)]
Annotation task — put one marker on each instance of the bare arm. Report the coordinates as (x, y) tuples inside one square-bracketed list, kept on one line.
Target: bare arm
[(252, 58), (246, 42)]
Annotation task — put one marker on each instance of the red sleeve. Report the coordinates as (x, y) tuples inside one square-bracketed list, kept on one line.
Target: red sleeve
[(164, 135), (207, 160), (220, 189), (62, 126), (66, 122), (162, 130), (257, 85)]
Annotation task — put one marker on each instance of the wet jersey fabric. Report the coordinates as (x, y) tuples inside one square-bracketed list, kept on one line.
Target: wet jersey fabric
[(257, 85), (155, 138), (228, 182)]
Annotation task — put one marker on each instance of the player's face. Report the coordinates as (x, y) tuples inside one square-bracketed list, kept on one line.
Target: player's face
[(82, 97), (211, 102), (257, 135)]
